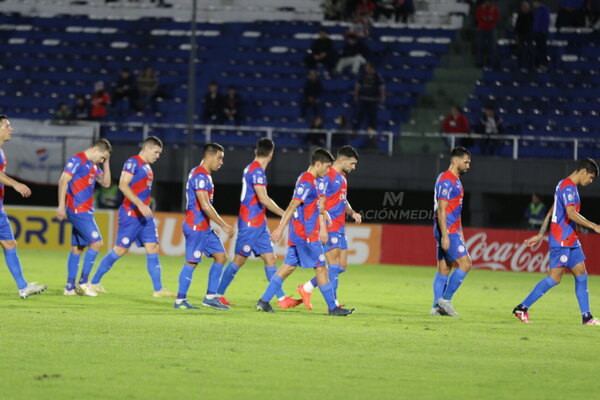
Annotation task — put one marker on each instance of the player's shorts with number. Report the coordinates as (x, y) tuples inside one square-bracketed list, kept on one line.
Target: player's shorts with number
[(132, 229), (566, 256), (255, 240), (337, 240), (85, 230), (306, 255), (456, 250), (6, 232), (198, 242)]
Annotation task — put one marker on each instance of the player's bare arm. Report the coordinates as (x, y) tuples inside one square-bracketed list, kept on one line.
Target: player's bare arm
[(285, 219), (105, 179), (63, 184), (212, 214), (581, 220), (125, 188), (353, 214), (263, 197), (441, 215), (324, 220), (22, 189), (322, 200), (532, 241)]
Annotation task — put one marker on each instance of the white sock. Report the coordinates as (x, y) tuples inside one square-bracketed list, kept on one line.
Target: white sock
[(281, 298), (211, 296), (308, 287), (179, 301)]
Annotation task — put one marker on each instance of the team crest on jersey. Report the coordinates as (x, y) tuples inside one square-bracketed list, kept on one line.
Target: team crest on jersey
[(125, 240), (70, 165), (564, 258), (334, 240), (300, 190), (246, 248), (95, 234), (322, 257), (197, 254), (445, 192), (461, 249)]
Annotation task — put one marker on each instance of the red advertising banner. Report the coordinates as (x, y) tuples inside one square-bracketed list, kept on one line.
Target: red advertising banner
[(495, 249)]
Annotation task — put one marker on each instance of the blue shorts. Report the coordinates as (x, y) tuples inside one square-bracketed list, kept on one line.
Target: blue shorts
[(85, 230), (306, 255), (456, 250), (6, 232), (198, 242), (253, 240), (135, 229), (566, 256), (336, 240)]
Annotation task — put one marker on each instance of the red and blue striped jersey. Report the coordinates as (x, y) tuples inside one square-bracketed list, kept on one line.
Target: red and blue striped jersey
[(304, 225), (335, 190), (199, 180), (562, 229), (252, 211), (449, 188), (80, 192), (3, 170), (141, 183)]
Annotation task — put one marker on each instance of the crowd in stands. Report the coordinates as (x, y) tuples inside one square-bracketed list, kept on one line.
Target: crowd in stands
[(364, 11)]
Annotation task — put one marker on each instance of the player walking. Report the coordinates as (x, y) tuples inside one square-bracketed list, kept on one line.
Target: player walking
[(199, 235), (7, 238), (76, 202), (253, 234), (306, 219), (447, 229), (565, 249), (136, 222)]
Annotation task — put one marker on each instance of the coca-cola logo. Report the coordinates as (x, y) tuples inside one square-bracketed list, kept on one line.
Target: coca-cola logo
[(510, 256)]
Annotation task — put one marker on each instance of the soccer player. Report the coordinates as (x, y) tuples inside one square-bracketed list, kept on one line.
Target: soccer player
[(199, 235), (136, 222), (306, 219), (565, 249), (447, 229), (7, 238), (76, 202), (253, 234), (336, 204)]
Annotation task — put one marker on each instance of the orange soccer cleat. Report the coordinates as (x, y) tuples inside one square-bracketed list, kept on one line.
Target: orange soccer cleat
[(288, 302), (305, 296)]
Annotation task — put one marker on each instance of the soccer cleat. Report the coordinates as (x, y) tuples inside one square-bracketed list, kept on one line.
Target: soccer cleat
[(31, 289), (435, 311), (163, 293), (264, 306), (184, 305), (522, 315), (305, 296), (446, 307), (341, 312), (214, 303), (288, 302), (591, 321), (85, 289), (224, 301), (71, 292), (98, 288)]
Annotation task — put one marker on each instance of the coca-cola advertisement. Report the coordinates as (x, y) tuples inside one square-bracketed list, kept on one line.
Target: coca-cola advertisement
[(494, 249)]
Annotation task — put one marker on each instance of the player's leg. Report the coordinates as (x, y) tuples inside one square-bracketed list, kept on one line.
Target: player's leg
[(73, 265), (213, 247), (577, 259), (283, 301), (440, 281), (228, 275), (290, 263), (454, 281), (14, 266), (155, 271), (193, 255), (88, 229), (106, 264)]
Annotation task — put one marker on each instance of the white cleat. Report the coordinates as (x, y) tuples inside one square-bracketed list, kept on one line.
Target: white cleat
[(98, 288), (435, 311), (31, 289), (447, 308), (85, 289), (163, 293), (71, 292)]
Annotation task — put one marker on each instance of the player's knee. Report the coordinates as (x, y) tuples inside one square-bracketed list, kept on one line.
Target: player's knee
[(121, 251), (9, 244), (96, 246), (193, 265), (152, 248), (220, 258), (239, 260)]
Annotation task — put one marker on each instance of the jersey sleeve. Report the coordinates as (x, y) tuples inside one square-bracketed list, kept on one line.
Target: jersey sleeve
[(443, 190), (570, 196), (301, 191), (72, 165), (322, 184), (201, 183), (130, 166), (258, 177)]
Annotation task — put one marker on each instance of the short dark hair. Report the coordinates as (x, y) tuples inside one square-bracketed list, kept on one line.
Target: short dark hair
[(212, 148), (347, 151), (152, 140), (589, 165), (3, 117), (103, 145), (264, 147), (321, 155), (459, 152)]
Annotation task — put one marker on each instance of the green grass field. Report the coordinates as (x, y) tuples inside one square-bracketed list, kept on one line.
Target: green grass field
[(128, 345)]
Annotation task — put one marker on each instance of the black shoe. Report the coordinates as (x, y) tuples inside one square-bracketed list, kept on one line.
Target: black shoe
[(341, 312), (264, 306)]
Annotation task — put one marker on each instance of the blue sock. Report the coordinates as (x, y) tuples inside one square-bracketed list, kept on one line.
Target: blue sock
[(334, 271), (153, 266), (214, 277), (14, 266), (327, 292), (439, 286), (314, 282), (538, 291), (72, 268), (581, 291), (270, 271), (88, 264), (105, 266), (274, 286), (456, 279), (227, 277), (185, 280)]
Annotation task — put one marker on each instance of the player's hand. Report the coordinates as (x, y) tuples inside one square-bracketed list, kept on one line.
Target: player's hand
[(323, 236), (145, 210), (277, 234), (228, 230), (23, 190), (357, 217), (532, 241), (61, 214), (445, 243)]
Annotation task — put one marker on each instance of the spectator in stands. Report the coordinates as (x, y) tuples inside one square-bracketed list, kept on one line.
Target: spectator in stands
[(489, 124), (81, 111), (232, 105), (353, 54), (99, 102), (340, 135), (570, 14), (124, 91), (369, 93), (311, 96), (333, 10), (403, 9), (487, 17), (365, 8), (541, 26), (524, 35), (317, 136), (147, 87), (455, 122), (63, 114), (213, 104), (535, 212), (321, 51)]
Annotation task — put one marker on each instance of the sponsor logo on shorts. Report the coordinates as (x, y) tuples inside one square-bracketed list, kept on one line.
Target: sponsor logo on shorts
[(246, 248), (95, 234), (125, 240), (197, 254), (564, 258), (461, 249)]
